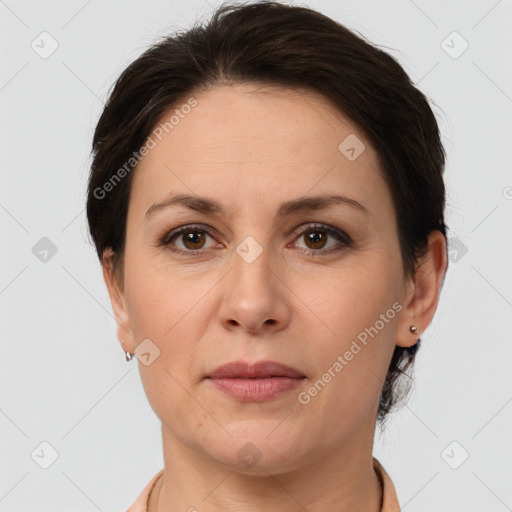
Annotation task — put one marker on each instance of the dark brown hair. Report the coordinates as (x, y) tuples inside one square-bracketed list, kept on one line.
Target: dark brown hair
[(267, 42)]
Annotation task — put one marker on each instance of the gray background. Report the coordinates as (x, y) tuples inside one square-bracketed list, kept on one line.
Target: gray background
[(64, 380)]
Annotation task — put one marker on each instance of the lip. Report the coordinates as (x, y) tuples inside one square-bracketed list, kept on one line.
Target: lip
[(260, 369), (255, 382)]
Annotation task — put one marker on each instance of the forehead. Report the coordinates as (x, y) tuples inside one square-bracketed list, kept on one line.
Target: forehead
[(262, 142), (245, 117)]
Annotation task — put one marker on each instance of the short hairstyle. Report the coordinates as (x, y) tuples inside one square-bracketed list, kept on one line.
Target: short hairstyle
[(270, 43)]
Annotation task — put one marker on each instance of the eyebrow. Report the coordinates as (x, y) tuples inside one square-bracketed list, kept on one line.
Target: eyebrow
[(210, 206)]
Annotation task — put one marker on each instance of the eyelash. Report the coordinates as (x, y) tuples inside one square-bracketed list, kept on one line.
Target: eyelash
[(345, 239)]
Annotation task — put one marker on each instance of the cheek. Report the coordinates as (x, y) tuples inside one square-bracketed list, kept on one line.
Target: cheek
[(345, 302), (170, 311), (355, 311), (173, 311), (161, 301)]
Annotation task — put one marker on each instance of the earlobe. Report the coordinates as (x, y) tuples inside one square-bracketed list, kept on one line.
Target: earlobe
[(117, 299), (422, 303)]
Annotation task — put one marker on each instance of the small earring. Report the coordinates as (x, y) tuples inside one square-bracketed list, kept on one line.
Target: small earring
[(126, 353), (414, 330)]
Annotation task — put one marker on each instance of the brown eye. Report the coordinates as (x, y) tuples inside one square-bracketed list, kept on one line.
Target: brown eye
[(316, 238), (188, 240), (193, 239)]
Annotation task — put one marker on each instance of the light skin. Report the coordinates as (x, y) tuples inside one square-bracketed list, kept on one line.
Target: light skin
[(251, 149)]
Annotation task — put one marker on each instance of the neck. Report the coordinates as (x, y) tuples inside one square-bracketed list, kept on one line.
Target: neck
[(341, 481)]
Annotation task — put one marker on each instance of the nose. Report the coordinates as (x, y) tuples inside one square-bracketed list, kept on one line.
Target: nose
[(254, 297)]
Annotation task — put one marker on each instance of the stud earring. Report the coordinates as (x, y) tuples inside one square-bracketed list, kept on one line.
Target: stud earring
[(414, 330)]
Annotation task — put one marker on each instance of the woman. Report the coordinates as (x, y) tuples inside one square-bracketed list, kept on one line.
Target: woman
[(267, 202)]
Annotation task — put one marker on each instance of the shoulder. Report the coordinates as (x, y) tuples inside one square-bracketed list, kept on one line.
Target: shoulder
[(389, 497), (140, 504)]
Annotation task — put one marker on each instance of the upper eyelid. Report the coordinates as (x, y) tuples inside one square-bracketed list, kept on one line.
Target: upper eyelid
[(299, 229)]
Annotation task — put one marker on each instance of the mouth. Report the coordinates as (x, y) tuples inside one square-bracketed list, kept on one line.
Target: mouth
[(256, 382), (258, 370)]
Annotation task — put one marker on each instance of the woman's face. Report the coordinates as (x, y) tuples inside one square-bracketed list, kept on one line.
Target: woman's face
[(318, 289)]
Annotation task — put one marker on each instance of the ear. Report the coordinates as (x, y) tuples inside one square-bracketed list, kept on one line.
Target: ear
[(423, 290), (115, 288)]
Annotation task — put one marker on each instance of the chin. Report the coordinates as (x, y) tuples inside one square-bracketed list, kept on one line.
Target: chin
[(258, 448)]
